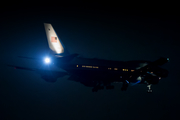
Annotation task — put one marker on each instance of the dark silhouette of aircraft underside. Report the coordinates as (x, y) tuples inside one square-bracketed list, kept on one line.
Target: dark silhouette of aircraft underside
[(96, 73), (99, 76)]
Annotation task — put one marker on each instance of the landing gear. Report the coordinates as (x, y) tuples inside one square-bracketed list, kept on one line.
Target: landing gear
[(110, 87), (125, 85), (96, 88), (149, 88)]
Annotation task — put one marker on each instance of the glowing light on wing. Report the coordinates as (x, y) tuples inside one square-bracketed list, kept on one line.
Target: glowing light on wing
[(47, 60)]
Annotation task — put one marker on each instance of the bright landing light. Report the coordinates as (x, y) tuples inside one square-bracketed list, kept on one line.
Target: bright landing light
[(47, 60)]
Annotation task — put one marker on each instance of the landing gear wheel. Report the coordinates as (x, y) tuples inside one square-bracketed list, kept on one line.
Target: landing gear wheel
[(149, 91), (124, 86), (149, 88), (95, 89)]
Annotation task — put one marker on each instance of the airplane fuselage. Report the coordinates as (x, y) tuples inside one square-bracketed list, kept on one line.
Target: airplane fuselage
[(102, 70)]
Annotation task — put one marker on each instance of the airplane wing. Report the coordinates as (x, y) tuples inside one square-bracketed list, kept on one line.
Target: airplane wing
[(57, 57), (23, 68), (161, 61), (33, 58), (47, 75), (152, 68)]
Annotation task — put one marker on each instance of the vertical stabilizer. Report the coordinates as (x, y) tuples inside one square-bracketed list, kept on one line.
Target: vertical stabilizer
[(54, 42)]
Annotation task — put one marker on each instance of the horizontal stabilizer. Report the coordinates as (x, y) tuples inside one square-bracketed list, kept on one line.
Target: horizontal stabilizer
[(23, 68), (29, 58), (36, 69), (47, 75)]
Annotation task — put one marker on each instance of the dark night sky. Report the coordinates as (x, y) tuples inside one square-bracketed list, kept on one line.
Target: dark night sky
[(110, 33)]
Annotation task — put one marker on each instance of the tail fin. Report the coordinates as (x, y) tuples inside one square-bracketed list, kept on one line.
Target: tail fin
[(54, 42)]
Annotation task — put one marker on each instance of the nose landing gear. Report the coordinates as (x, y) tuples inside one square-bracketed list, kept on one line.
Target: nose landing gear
[(125, 85), (149, 88)]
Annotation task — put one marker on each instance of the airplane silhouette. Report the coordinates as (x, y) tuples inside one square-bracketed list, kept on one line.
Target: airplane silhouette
[(96, 73)]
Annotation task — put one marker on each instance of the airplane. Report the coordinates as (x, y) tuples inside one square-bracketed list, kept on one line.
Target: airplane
[(96, 73)]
